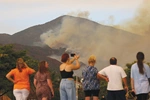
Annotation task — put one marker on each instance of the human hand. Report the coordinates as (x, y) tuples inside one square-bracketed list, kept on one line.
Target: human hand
[(126, 88), (15, 81), (133, 90), (76, 57), (106, 79), (52, 94)]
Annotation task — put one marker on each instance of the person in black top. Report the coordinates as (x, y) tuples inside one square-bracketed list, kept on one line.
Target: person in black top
[(67, 86)]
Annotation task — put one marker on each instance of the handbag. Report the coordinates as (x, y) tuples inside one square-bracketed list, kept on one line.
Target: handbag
[(130, 95)]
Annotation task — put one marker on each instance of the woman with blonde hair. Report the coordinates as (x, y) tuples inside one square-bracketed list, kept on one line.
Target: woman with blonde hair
[(20, 77), (43, 83), (91, 83)]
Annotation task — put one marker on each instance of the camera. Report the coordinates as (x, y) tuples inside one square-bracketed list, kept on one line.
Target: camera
[(72, 55), (133, 94)]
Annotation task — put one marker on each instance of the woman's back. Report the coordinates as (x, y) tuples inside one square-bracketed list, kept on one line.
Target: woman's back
[(141, 82), (90, 80), (42, 79)]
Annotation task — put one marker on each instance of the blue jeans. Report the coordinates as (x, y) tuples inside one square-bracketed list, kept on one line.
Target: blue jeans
[(67, 90)]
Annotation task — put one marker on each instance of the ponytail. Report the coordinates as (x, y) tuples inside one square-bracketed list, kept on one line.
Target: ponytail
[(140, 58)]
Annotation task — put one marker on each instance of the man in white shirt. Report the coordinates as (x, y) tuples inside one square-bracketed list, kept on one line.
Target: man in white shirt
[(114, 75)]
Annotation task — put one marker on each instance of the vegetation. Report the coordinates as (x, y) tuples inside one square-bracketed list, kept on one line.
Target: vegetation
[(8, 58)]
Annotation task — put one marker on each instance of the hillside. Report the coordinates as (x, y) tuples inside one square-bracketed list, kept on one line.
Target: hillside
[(82, 36)]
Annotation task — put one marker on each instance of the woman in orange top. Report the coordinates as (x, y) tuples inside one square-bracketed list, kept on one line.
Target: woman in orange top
[(20, 77)]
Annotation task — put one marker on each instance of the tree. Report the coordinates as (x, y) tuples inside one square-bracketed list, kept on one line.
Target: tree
[(103, 88)]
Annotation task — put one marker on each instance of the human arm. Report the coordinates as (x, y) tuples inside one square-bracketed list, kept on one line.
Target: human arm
[(100, 76), (72, 60), (132, 78), (132, 84), (9, 77), (30, 70), (147, 70), (50, 86), (125, 83), (149, 80), (35, 82), (77, 65)]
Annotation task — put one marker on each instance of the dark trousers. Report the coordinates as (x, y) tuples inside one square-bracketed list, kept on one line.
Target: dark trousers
[(116, 95), (143, 96)]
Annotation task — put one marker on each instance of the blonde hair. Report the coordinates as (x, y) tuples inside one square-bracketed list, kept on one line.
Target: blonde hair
[(92, 59), (21, 61)]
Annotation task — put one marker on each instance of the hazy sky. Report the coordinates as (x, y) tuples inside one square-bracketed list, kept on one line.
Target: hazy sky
[(17, 15)]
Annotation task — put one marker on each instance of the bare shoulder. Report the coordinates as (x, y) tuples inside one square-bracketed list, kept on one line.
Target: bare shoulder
[(65, 66)]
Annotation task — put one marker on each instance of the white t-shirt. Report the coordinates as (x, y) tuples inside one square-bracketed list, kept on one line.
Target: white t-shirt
[(115, 74)]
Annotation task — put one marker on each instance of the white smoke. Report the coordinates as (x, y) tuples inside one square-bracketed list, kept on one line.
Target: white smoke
[(140, 24), (82, 14), (86, 38)]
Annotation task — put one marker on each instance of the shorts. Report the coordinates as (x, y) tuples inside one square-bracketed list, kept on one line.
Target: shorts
[(91, 93)]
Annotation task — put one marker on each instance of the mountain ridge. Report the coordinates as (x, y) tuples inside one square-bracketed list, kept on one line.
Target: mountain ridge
[(78, 35)]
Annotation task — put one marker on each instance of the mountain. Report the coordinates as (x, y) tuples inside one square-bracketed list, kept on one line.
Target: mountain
[(30, 35), (78, 35), (5, 38), (40, 54)]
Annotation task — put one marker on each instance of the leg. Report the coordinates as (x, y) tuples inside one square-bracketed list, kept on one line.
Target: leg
[(87, 94), (110, 95), (95, 98), (142, 96), (17, 93), (63, 94), (139, 97), (87, 98), (45, 98), (70, 90), (25, 94), (95, 94), (145, 96), (120, 95)]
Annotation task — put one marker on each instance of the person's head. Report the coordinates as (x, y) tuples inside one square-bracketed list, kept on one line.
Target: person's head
[(65, 57), (43, 66), (20, 64), (113, 61), (92, 59), (140, 58)]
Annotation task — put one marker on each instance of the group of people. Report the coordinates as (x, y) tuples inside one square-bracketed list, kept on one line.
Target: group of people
[(20, 77), (113, 74)]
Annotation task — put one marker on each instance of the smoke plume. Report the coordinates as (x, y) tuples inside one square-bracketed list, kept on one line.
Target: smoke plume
[(140, 24), (85, 38), (82, 14)]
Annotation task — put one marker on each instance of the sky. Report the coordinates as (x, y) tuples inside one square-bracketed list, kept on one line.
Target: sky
[(17, 15)]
